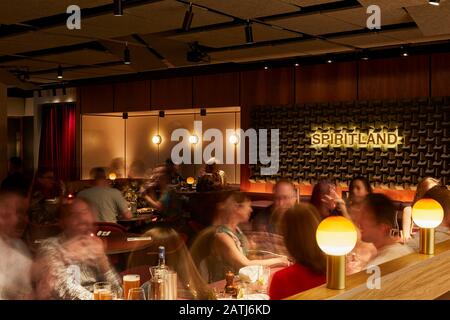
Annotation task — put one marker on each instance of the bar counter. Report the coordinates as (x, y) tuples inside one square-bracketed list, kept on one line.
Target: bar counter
[(400, 280)]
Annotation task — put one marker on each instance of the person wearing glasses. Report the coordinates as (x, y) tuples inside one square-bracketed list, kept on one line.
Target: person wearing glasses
[(285, 197)]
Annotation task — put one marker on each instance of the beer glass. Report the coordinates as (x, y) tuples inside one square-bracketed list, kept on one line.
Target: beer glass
[(130, 281), (136, 294), (103, 291)]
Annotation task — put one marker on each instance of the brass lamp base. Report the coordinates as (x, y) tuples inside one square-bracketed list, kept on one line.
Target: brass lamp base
[(335, 272), (427, 241)]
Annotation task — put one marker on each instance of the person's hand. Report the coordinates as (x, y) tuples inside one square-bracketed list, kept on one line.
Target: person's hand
[(353, 264)]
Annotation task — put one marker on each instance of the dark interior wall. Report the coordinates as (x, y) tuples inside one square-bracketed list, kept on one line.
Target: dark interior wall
[(21, 141), (393, 78)]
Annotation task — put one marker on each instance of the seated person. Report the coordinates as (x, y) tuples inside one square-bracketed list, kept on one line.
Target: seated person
[(358, 189), (230, 246), (46, 196), (211, 178), (326, 200), (161, 195), (285, 197), (177, 258), (309, 269), (442, 233), (68, 266), (108, 202), (15, 259), (378, 220), (407, 224)]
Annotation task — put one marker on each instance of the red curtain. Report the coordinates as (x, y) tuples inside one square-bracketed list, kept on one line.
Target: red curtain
[(57, 148)]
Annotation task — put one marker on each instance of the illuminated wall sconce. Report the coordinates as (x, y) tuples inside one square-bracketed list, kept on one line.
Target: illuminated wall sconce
[(336, 236), (427, 214), (193, 139), (234, 139), (156, 139)]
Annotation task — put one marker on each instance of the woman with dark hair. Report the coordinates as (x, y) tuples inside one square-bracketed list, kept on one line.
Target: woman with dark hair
[(309, 270), (358, 189), (326, 200), (230, 246)]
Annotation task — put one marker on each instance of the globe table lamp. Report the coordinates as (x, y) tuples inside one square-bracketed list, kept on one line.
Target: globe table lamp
[(427, 214), (336, 236)]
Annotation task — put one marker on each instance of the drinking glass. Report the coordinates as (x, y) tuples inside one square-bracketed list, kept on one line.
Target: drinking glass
[(130, 281), (103, 291), (136, 294)]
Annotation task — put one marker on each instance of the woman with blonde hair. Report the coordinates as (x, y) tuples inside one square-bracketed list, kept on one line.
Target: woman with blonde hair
[(308, 271), (178, 258), (407, 224)]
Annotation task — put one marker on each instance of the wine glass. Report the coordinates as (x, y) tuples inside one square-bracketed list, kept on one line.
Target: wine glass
[(136, 294)]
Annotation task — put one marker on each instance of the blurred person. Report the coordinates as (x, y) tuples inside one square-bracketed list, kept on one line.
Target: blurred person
[(358, 189), (109, 202), (210, 177), (117, 167), (285, 197), (407, 224), (46, 196), (441, 233), (160, 194), (15, 261), (378, 225), (309, 269), (326, 200), (173, 172), (137, 170), (230, 248), (16, 181), (69, 265), (178, 258)]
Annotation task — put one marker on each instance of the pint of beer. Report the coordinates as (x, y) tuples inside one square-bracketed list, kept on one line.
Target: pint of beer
[(130, 281), (102, 291)]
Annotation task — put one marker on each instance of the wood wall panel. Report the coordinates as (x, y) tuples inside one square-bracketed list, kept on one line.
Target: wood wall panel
[(394, 78), (97, 98), (216, 90), (132, 96), (263, 87), (171, 93), (326, 82), (440, 74)]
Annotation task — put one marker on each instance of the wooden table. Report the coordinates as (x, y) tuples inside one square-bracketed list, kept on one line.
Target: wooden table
[(220, 285)]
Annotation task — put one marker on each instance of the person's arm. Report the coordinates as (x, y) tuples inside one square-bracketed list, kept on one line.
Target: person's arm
[(226, 248), (122, 206), (406, 224), (153, 202)]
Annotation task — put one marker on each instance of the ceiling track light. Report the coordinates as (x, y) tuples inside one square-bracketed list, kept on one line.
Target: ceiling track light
[(118, 9), (434, 2), (60, 72), (188, 16), (364, 56), (405, 52), (248, 32), (126, 55)]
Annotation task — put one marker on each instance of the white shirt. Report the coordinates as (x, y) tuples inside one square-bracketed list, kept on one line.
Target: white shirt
[(15, 272), (390, 252)]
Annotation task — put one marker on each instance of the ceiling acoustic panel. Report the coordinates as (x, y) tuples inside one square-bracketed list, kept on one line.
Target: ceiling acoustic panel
[(315, 24), (247, 9), (368, 40), (300, 48), (25, 10), (359, 16), (234, 36), (35, 40), (308, 3), (432, 20), (31, 65), (392, 4), (81, 57)]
